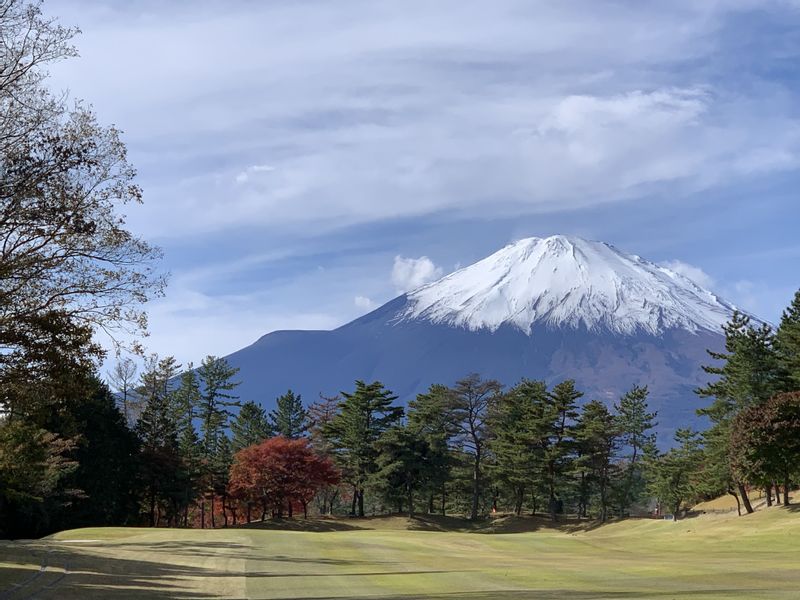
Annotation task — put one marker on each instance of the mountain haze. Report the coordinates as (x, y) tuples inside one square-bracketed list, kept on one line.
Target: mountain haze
[(541, 308)]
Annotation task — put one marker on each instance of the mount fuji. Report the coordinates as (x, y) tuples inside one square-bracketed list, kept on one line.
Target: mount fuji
[(542, 308)]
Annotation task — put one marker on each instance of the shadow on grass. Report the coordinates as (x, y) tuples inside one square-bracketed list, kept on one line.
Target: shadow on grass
[(313, 525), (504, 524), (67, 573)]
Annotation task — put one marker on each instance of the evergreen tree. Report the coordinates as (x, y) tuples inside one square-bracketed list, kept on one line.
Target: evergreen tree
[(749, 376), (428, 417), (220, 469), (596, 439), (107, 453), (520, 426), (635, 425), (787, 344), (557, 453), (403, 466), (213, 411), (162, 464), (472, 400), (675, 476), (250, 426), (289, 418), (362, 418), (185, 401)]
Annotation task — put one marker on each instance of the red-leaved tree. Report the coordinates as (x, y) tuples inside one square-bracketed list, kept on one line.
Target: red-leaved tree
[(278, 474)]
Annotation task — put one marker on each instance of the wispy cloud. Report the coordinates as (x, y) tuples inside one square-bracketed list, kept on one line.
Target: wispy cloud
[(365, 114)]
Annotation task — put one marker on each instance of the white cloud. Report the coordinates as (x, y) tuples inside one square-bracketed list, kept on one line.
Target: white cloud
[(692, 272), (364, 303), (410, 273)]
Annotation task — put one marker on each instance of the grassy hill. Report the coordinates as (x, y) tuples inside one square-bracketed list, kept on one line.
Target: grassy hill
[(712, 556)]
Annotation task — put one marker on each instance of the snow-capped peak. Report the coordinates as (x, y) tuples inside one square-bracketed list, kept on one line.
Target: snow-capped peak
[(566, 281)]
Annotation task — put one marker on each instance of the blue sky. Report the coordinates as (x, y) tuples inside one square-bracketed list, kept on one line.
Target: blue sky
[(304, 161)]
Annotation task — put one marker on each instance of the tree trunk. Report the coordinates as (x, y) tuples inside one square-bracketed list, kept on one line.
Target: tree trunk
[(738, 504), (431, 508), (745, 499), (603, 504), (202, 512), (476, 485), (213, 518), (360, 502), (410, 500), (786, 484), (152, 506), (768, 493), (777, 492), (355, 501), (305, 509), (249, 509), (289, 508), (444, 499)]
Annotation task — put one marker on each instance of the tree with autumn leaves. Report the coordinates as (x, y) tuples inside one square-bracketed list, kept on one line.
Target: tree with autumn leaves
[(279, 474)]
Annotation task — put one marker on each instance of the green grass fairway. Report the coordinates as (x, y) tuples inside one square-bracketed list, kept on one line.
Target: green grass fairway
[(723, 557)]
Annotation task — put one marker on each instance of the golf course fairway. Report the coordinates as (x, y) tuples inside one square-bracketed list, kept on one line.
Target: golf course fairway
[(720, 556)]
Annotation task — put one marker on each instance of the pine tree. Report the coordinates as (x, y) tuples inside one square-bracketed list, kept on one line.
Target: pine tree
[(518, 438), (596, 439), (289, 418), (471, 404), (216, 379), (562, 414), (213, 412), (157, 378), (635, 427), (428, 416), (250, 426), (787, 343), (403, 466), (185, 402), (362, 418), (749, 376), (161, 459), (675, 476)]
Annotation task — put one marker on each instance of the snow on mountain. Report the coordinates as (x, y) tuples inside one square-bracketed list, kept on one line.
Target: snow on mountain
[(569, 282)]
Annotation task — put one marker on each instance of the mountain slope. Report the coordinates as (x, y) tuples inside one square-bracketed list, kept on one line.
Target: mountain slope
[(550, 309), (568, 282)]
